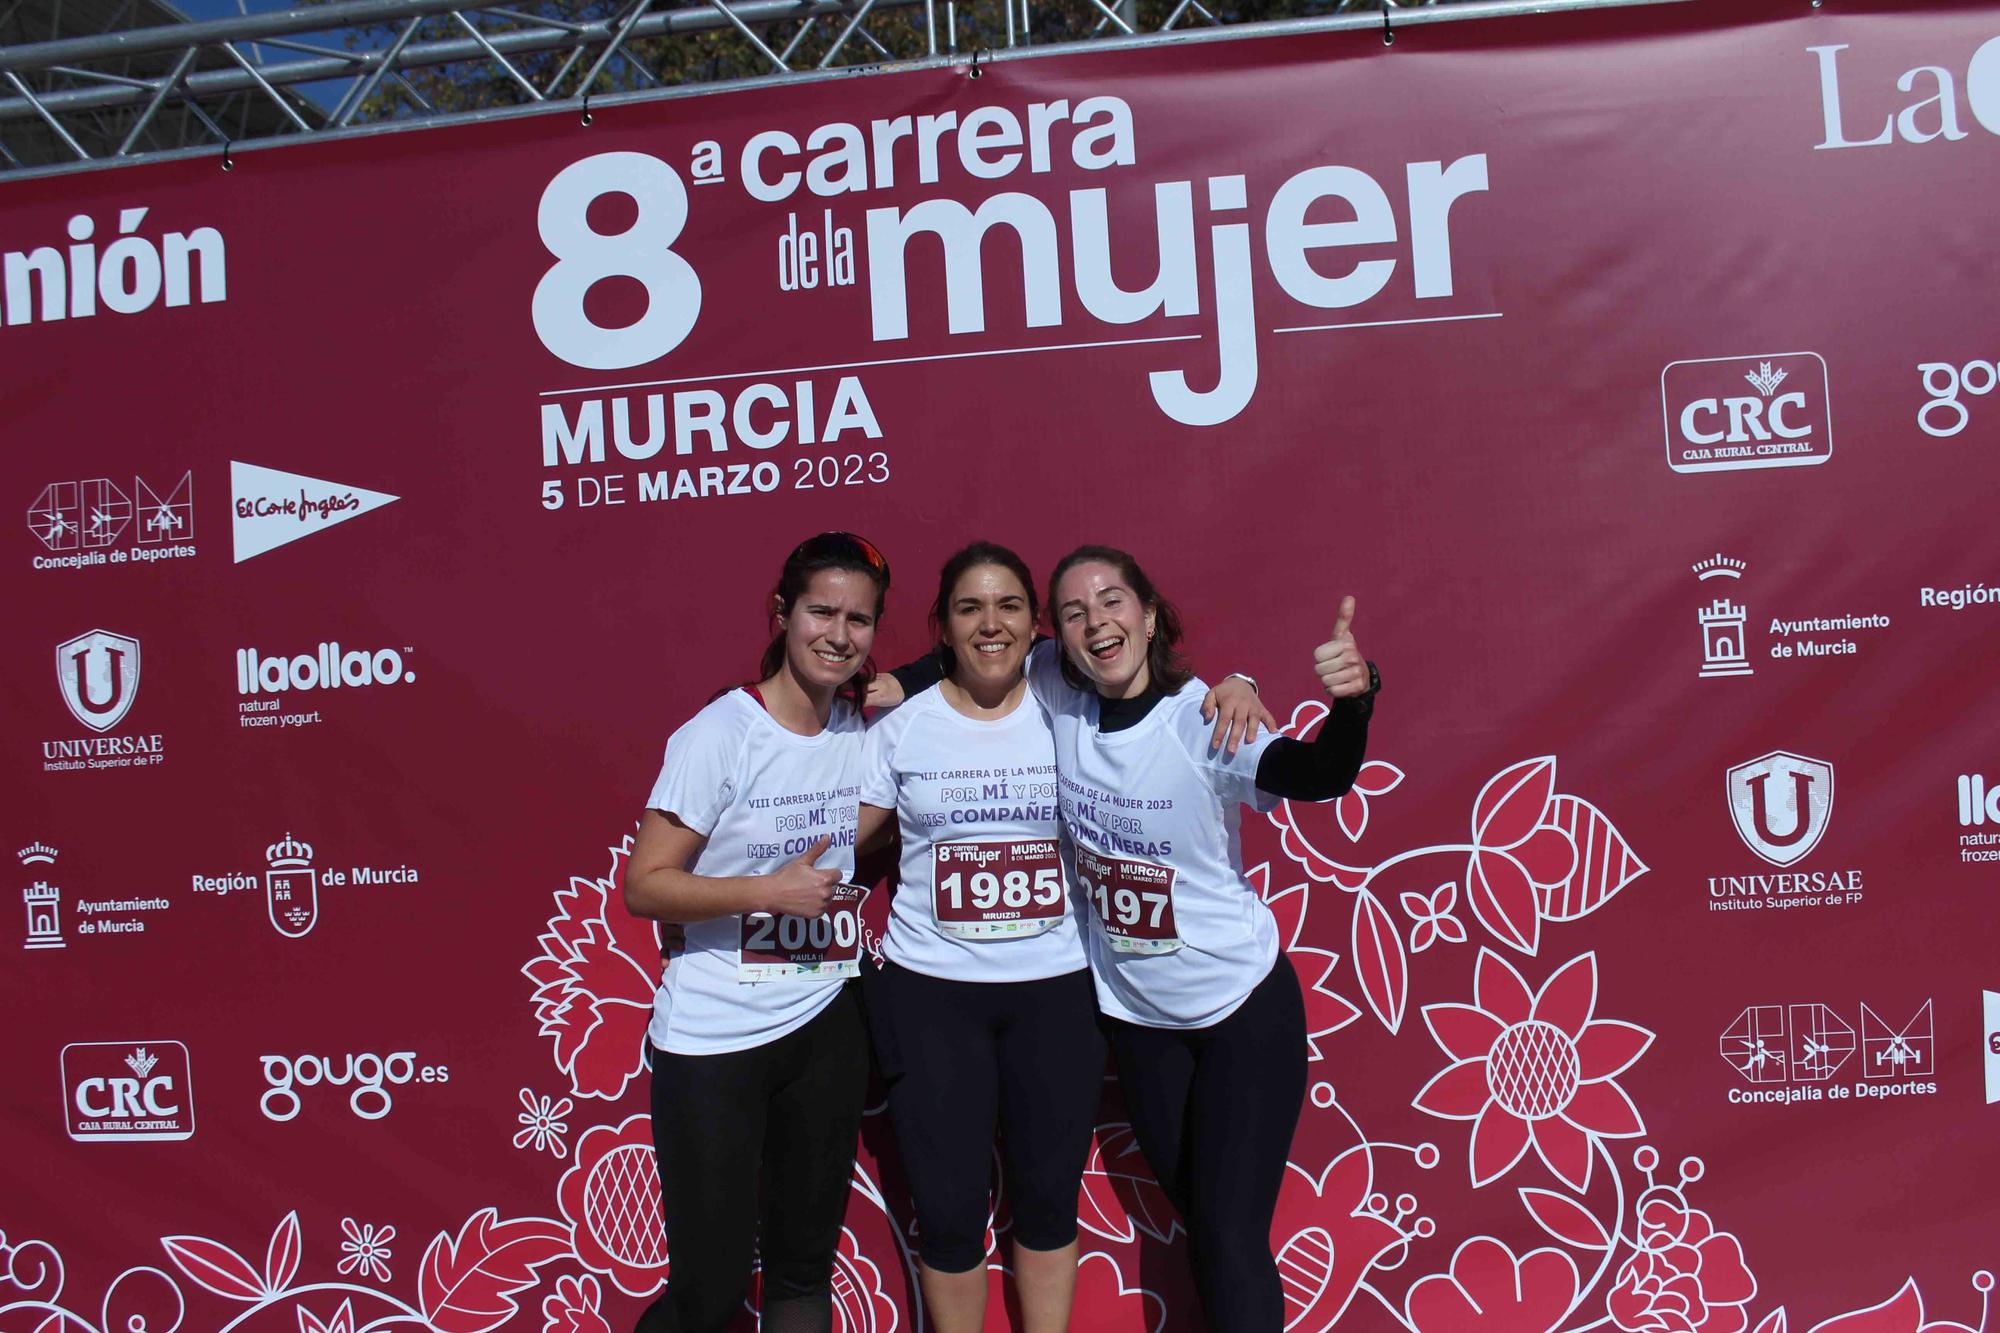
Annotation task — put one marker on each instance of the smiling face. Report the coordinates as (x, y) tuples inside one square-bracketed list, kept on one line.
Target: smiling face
[(989, 625), (831, 628), (1105, 628)]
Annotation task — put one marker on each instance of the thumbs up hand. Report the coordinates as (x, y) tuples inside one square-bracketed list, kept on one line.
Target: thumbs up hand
[(800, 888), (1342, 669)]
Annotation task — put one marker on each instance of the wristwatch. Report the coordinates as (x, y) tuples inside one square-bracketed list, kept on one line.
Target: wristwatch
[(1363, 704)]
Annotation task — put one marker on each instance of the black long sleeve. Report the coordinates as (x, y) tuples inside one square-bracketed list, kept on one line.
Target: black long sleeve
[(1325, 766), (916, 677)]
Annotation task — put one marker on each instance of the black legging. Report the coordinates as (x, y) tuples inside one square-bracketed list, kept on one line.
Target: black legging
[(963, 1058), (1214, 1109), (756, 1149)]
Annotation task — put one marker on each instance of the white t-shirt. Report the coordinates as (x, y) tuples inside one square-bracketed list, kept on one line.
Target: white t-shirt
[(984, 886), (761, 795), (1178, 936)]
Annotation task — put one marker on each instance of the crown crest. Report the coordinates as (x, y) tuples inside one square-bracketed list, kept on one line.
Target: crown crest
[(141, 1061), (38, 854), (289, 854), (1719, 566)]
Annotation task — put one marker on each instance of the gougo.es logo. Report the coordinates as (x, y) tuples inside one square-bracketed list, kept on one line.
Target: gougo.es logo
[(371, 1079)]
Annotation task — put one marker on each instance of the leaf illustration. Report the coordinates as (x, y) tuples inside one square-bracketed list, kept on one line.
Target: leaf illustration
[(1379, 961), (1774, 1322), (467, 1285), (1565, 1219), (1327, 1010), (215, 1266), (1511, 803), (1351, 810), (1120, 1197), (1604, 864), (1504, 900), (1378, 778), (1901, 1313), (342, 1321), (281, 1256)]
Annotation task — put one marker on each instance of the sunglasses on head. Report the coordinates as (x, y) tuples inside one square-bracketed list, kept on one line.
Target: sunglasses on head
[(843, 543)]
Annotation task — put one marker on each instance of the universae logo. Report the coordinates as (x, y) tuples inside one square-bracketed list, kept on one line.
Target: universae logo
[(1781, 803), (98, 673), (1731, 413)]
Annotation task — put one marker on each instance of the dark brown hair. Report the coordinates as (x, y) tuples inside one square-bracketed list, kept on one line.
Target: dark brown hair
[(968, 558), (1164, 663), (829, 550)]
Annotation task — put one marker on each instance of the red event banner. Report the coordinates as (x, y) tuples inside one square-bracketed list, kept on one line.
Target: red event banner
[(385, 502)]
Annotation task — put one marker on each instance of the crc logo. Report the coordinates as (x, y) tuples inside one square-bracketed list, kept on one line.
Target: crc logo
[(1726, 414), (127, 1090), (1781, 803), (370, 1076), (585, 257), (1943, 416), (99, 676)]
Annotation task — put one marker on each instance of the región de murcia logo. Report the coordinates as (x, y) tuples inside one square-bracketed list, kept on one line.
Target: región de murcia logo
[(292, 884)]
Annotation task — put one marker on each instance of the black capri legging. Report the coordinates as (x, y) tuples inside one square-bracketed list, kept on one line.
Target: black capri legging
[(1214, 1110), (756, 1149), (963, 1058)]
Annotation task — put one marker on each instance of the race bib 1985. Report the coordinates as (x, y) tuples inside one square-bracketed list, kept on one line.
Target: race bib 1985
[(997, 890)]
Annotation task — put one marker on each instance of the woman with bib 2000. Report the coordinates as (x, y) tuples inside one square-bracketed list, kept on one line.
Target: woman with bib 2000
[(760, 1057), (1202, 1008)]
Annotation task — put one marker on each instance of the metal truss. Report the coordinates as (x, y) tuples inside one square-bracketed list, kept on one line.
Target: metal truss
[(119, 96)]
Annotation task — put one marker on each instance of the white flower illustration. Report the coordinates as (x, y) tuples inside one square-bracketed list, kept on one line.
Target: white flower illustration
[(544, 1126), (366, 1249)]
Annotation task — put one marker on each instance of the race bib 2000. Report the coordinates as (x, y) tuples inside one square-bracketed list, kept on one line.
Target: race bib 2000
[(798, 948)]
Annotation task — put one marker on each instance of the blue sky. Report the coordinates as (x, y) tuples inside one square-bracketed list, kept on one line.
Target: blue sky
[(326, 94)]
